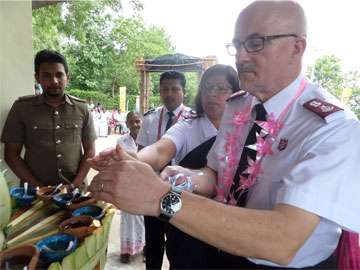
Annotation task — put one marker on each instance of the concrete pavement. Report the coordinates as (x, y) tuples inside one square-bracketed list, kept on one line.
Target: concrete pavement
[(113, 259)]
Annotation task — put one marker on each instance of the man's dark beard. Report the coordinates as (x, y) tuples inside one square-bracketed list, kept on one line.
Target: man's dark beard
[(49, 93)]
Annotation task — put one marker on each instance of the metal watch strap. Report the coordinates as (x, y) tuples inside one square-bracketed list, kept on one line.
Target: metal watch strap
[(174, 189)]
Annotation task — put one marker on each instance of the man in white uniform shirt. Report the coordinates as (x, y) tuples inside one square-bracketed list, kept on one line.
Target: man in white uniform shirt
[(300, 188), (155, 123)]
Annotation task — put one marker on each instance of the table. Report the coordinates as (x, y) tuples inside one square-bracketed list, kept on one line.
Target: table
[(31, 224)]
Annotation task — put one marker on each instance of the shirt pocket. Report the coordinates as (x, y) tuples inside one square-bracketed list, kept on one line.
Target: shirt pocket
[(270, 181), (73, 130), (39, 132), (275, 168)]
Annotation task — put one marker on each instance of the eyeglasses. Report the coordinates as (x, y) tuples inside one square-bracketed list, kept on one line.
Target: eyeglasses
[(219, 89), (253, 44)]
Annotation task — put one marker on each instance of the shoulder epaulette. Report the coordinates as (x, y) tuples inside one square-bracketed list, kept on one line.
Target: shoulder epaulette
[(149, 112), (321, 108), (192, 112), (27, 97), (191, 116), (236, 94), (76, 98)]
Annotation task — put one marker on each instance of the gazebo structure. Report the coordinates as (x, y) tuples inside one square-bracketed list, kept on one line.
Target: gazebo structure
[(179, 62)]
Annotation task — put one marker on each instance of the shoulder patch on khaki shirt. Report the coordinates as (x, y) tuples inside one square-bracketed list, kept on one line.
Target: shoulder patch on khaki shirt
[(76, 98), (27, 97)]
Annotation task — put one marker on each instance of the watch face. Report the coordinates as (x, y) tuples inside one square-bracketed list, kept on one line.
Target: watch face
[(171, 204)]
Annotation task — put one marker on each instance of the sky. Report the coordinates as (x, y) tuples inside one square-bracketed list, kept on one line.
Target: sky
[(204, 27)]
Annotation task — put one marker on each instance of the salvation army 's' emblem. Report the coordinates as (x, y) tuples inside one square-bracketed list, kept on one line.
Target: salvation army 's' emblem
[(321, 107), (282, 144), (315, 104), (327, 108)]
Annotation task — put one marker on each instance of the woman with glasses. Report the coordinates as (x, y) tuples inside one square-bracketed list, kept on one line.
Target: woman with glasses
[(189, 142)]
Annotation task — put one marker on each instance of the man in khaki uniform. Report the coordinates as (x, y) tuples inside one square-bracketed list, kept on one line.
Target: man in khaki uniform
[(56, 129)]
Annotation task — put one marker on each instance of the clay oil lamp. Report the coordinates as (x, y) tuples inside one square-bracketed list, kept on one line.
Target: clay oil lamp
[(55, 248), (21, 257), (80, 226), (23, 195), (96, 212), (46, 194), (68, 188), (62, 199), (80, 202)]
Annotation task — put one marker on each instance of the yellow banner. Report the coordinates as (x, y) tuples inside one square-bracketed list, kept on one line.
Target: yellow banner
[(345, 95), (122, 98)]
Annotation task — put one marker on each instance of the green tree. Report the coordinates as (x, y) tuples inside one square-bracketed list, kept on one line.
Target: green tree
[(101, 45), (45, 23), (327, 72), (134, 40)]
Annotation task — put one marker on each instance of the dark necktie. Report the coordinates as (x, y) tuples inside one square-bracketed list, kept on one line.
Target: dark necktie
[(243, 163), (171, 119)]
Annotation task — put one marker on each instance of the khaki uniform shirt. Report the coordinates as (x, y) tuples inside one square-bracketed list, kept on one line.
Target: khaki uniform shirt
[(52, 136)]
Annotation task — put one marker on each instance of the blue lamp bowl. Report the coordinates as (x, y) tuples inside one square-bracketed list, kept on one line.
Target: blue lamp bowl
[(55, 248), (90, 210), (20, 199), (62, 199)]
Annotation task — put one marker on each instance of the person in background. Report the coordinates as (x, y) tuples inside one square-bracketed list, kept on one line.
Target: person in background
[(55, 128), (155, 123), (96, 120), (111, 120), (132, 230), (91, 104), (37, 91), (284, 166), (103, 122), (98, 107), (188, 142), (119, 122)]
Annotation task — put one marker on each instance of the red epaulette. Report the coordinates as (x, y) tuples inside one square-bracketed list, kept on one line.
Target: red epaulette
[(236, 94), (190, 116), (321, 108)]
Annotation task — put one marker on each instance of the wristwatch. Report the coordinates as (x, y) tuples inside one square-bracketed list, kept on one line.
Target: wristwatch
[(170, 204)]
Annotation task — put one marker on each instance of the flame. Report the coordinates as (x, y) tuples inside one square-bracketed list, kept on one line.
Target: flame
[(112, 210), (96, 223)]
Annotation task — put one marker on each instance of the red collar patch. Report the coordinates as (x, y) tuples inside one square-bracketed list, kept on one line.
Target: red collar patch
[(321, 108)]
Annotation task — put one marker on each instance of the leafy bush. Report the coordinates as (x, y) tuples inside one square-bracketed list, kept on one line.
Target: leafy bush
[(109, 101)]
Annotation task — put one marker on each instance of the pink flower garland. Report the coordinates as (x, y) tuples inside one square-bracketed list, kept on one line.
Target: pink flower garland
[(270, 128)]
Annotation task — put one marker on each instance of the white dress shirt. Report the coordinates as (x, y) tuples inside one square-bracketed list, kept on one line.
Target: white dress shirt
[(148, 133), (189, 134), (318, 171)]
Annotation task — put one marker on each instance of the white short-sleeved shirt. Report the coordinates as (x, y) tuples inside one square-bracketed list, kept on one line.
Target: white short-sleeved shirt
[(318, 171), (119, 117), (148, 133), (189, 134), (127, 142)]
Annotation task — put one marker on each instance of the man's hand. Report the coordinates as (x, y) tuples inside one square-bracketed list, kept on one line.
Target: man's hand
[(107, 157), (131, 185)]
